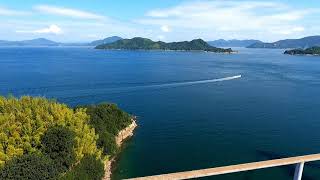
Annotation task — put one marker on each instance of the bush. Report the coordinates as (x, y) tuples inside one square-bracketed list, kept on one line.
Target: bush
[(58, 143), (89, 168), (29, 166), (23, 122)]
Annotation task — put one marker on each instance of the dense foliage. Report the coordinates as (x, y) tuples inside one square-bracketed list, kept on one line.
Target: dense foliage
[(108, 144), (58, 143), (308, 51), (29, 166), (89, 168), (108, 120), (147, 44), (43, 139), (24, 121)]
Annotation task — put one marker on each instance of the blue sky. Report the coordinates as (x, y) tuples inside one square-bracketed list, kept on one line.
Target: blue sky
[(167, 20)]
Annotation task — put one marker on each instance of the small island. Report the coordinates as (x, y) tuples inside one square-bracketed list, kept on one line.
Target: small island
[(315, 51), (139, 43)]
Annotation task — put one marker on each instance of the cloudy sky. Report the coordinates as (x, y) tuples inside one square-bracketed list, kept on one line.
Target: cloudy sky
[(167, 20)]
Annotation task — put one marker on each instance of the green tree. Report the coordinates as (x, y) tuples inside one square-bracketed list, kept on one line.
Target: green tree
[(23, 122), (30, 166), (58, 143), (107, 142), (108, 120), (89, 168)]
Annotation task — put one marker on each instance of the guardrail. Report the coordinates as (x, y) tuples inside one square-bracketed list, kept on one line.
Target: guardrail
[(298, 161)]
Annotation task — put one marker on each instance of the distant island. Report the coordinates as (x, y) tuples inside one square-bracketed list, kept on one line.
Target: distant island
[(309, 51), (305, 42), (32, 42), (139, 43), (47, 42), (233, 43)]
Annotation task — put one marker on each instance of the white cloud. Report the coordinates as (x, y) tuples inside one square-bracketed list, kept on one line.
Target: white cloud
[(289, 31), (68, 12), (160, 37), (239, 19), (165, 28), (52, 29), (10, 12)]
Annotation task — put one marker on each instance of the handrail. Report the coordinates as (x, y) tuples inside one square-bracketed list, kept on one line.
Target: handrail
[(299, 161)]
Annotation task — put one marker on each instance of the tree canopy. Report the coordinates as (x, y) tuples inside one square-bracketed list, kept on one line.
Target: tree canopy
[(108, 120), (41, 138), (24, 121)]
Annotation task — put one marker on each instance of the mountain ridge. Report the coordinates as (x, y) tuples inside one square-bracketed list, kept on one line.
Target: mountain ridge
[(47, 42), (233, 42), (304, 42)]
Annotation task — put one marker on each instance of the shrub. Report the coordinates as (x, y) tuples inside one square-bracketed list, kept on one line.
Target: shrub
[(29, 166), (58, 143), (23, 122), (89, 168)]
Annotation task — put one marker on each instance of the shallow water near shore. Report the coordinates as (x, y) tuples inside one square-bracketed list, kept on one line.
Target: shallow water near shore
[(272, 111)]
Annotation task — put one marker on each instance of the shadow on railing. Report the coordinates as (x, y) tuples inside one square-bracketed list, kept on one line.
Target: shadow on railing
[(299, 161)]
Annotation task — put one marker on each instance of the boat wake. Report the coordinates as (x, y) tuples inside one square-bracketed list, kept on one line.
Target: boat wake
[(69, 95), (191, 82), (125, 90)]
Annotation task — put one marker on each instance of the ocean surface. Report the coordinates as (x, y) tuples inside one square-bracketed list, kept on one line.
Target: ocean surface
[(194, 109)]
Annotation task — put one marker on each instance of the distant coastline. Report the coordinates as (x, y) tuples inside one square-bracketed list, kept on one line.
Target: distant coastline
[(314, 51)]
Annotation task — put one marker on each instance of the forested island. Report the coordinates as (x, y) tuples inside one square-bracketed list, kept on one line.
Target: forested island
[(139, 43), (305, 42), (44, 139), (309, 51)]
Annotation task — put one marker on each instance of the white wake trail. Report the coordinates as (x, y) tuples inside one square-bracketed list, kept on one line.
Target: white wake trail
[(103, 91), (193, 82)]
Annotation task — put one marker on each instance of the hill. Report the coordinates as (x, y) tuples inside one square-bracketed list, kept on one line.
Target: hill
[(47, 42), (105, 41), (308, 51), (305, 42), (139, 43), (32, 42), (233, 43)]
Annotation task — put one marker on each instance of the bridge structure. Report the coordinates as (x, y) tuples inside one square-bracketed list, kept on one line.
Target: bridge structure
[(298, 161)]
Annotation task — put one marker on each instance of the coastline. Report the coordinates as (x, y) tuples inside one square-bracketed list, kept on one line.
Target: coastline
[(120, 138)]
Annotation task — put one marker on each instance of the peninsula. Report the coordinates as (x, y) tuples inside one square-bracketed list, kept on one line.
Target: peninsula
[(309, 51), (139, 43)]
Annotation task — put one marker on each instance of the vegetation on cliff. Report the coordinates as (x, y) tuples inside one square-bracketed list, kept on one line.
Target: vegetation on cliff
[(108, 120), (308, 51), (139, 43), (42, 138)]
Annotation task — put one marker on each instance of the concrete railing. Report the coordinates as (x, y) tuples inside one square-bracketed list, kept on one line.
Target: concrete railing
[(298, 161)]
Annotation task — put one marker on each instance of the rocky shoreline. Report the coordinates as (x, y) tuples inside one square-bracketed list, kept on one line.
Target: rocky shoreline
[(120, 138)]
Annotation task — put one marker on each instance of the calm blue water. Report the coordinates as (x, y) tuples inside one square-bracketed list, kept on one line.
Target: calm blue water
[(272, 111)]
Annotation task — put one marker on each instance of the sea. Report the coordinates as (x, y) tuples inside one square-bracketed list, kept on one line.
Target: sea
[(195, 109)]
